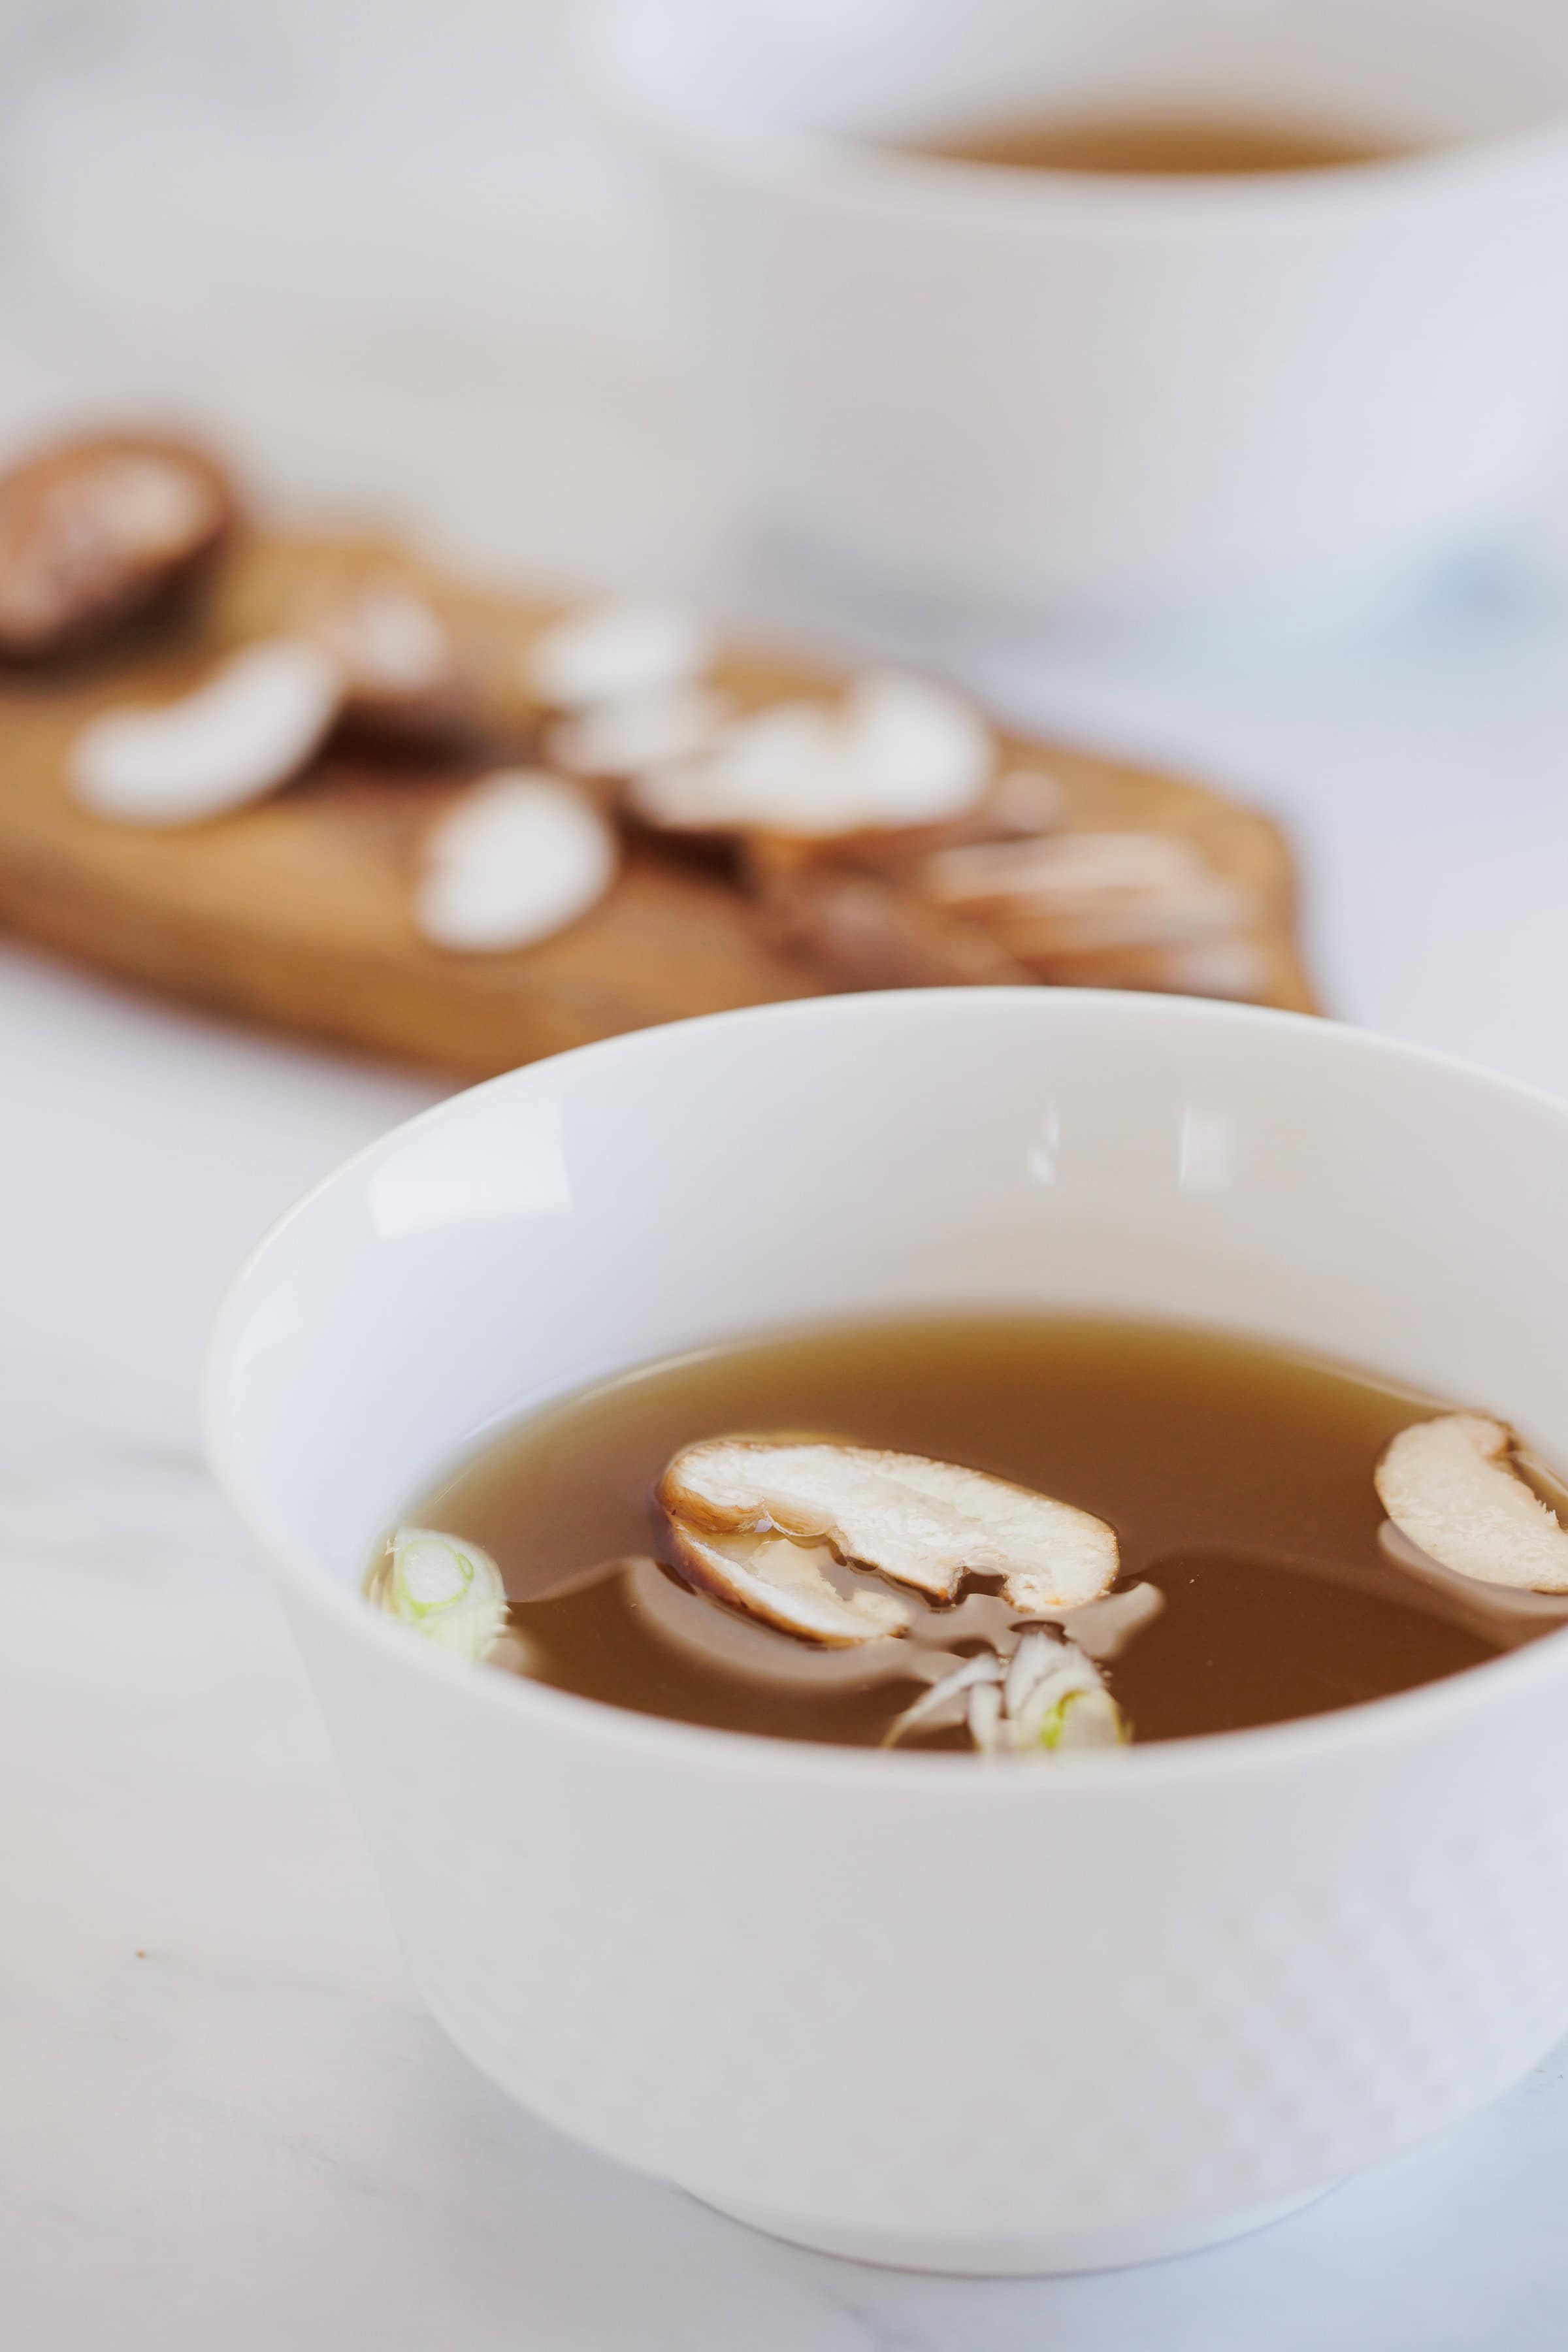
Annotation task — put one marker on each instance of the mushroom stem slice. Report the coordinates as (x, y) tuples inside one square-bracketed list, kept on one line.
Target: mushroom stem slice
[(1450, 1486), (785, 1584), (923, 1523)]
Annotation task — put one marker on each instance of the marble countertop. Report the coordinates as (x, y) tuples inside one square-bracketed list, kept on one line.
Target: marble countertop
[(225, 2121)]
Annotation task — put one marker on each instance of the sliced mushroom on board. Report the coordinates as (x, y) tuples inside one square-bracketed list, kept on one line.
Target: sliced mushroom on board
[(251, 726), (516, 858)]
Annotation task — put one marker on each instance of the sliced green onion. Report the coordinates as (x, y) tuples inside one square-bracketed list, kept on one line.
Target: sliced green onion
[(448, 1590)]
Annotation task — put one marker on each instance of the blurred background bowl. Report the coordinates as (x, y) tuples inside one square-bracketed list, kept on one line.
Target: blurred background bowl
[(1117, 395)]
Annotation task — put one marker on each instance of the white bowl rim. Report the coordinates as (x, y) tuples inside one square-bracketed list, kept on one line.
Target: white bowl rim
[(1369, 1725), (834, 167)]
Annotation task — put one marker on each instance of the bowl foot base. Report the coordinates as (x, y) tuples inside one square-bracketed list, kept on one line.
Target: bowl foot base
[(1029, 2256)]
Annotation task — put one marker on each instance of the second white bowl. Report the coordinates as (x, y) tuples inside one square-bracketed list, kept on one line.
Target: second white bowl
[(1124, 398)]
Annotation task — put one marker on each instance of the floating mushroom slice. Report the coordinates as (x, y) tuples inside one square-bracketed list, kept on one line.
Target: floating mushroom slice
[(786, 1584), (515, 858), (1451, 1489), (923, 1523), (1503, 1615), (739, 1645), (898, 750), (93, 530), (446, 1588), (253, 724), (619, 647)]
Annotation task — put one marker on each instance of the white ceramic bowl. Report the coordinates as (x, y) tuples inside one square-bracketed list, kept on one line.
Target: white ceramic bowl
[(918, 2007), (1117, 397)]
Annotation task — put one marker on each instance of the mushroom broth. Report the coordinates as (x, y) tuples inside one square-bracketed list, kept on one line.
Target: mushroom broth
[(1180, 1533)]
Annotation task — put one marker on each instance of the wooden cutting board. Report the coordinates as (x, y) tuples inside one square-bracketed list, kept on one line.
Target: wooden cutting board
[(295, 912)]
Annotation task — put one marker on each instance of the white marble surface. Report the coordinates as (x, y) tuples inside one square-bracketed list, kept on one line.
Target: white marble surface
[(224, 2121)]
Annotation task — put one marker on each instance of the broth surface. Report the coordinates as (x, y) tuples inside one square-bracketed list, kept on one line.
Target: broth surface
[(1238, 1478), (1158, 146)]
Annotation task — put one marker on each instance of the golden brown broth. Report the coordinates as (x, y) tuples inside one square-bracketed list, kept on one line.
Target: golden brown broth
[(1237, 1476), (1153, 145)]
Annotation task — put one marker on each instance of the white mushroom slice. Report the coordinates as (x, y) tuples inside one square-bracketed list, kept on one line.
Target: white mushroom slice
[(253, 724), (621, 739), (621, 646), (922, 753), (1450, 1487), (1503, 1613), (924, 1523), (448, 1590), (516, 858), (786, 1584), (716, 1637), (898, 750)]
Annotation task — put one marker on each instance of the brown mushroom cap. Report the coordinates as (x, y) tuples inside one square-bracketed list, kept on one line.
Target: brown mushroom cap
[(94, 530)]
